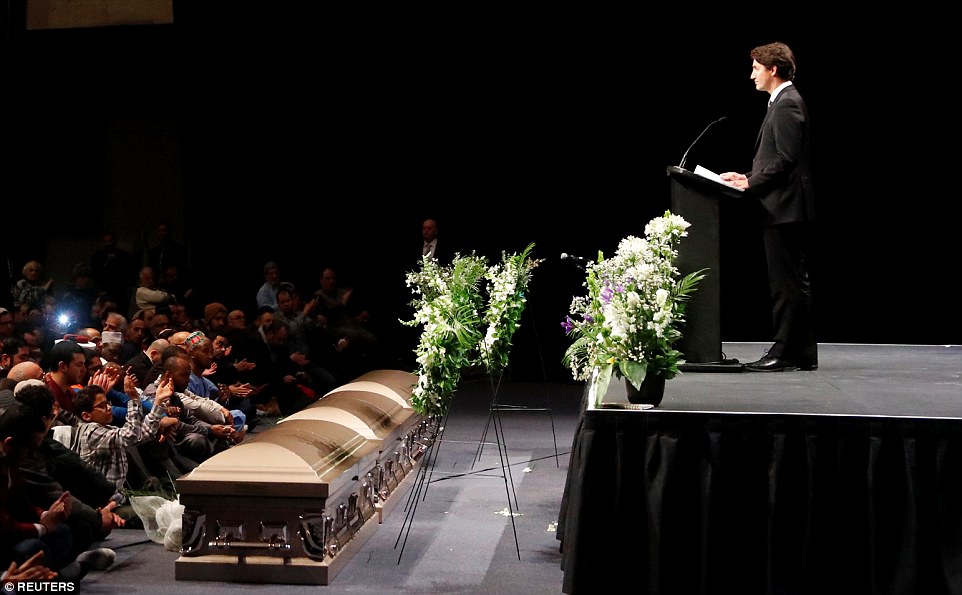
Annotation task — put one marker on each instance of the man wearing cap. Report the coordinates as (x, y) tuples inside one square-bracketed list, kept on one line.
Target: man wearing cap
[(201, 352), (215, 318)]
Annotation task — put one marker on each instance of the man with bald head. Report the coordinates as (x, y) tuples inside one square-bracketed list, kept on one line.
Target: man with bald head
[(141, 363), (237, 320), (25, 371), (430, 247), (198, 434), (16, 376), (179, 338), (429, 234), (92, 334), (177, 346)]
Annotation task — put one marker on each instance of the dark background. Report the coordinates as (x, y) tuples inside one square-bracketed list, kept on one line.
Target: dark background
[(313, 138)]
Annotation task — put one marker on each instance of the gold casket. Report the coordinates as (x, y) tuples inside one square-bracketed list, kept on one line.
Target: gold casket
[(293, 503)]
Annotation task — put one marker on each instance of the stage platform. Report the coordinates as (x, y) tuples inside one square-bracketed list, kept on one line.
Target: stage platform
[(892, 380), (847, 479)]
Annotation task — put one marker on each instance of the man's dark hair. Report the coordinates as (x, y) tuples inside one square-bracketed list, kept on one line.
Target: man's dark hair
[(85, 397), (288, 289), (20, 423), (172, 351), (779, 55), (12, 345), (174, 362), (277, 325), (36, 397), (64, 352)]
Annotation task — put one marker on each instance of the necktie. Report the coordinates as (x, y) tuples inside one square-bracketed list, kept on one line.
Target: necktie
[(427, 249)]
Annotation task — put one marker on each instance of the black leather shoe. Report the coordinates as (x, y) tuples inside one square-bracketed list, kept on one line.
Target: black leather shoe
[(771, 364), (807, 365)]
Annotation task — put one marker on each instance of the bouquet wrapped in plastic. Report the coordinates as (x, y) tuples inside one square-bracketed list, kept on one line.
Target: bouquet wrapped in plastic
[(162, 518)]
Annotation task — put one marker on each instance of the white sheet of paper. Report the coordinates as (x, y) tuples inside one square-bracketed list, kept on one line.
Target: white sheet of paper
[(707, 173)]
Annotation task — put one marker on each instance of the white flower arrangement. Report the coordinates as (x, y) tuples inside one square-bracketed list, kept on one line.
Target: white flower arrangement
[(455, 335), (507, 283), (447, 302), (629, 321)]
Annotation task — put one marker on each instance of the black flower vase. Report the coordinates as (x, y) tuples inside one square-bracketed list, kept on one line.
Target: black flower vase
[(652, 391)]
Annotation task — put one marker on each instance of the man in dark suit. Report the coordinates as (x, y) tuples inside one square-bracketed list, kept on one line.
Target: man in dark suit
[(430, 247), (781, 182), (167, 252), (114, 270)]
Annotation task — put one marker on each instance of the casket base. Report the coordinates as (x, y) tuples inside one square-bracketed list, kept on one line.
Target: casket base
[(294, 570)]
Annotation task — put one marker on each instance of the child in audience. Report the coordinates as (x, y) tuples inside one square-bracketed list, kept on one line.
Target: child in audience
[(103, 445)]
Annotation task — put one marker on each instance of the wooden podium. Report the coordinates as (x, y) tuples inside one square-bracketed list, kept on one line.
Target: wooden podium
[(698, 199)]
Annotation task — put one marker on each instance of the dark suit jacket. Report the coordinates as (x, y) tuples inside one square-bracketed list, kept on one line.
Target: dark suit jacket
[(781, 177), (442, 253), (140, 365)]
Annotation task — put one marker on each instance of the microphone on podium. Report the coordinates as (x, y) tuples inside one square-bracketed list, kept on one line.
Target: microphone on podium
[(579, 261), (681, 164)]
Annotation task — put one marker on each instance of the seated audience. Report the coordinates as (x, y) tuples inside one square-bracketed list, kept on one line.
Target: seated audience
[(26, 528), (226, 373), (54, 469), (201, 353), (13, 351), (118, 399), (201, 427), (215, 318), (284, 379), (67, 368), (140, 364), (267, 294), (148, 296), (299, 322), (104, 445), (344, 316)]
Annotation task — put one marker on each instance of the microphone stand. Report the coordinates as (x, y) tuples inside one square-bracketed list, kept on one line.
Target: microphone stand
[(681, 164)]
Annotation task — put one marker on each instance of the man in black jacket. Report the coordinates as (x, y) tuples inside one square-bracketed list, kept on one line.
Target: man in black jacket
[(781, 182)]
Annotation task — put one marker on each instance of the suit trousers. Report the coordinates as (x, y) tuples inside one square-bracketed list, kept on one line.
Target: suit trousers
[(787, 252)]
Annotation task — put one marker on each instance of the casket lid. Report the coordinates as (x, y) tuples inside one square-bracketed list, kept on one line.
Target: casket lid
[(300, 458)]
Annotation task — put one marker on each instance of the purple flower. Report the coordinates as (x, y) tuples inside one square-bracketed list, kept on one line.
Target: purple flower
[(606, 294), (568, 325)]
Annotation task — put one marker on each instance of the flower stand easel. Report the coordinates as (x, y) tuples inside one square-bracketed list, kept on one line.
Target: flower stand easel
[(447, 307), (498, 406)]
